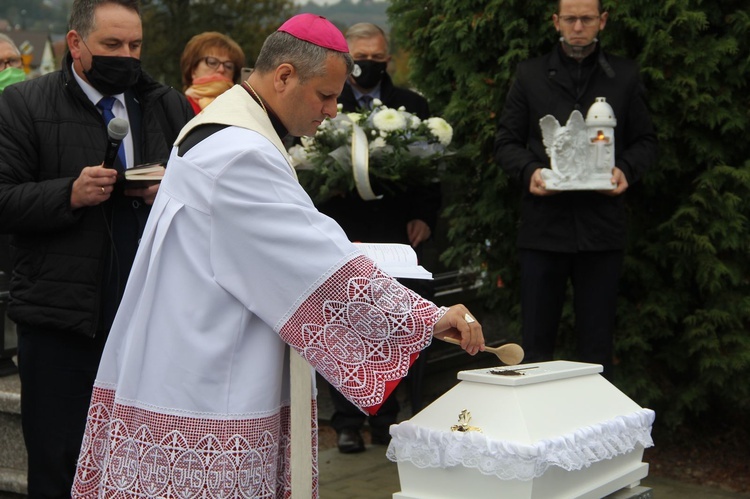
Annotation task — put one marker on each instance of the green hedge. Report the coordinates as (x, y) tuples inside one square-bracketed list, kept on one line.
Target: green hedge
[(683, 337)]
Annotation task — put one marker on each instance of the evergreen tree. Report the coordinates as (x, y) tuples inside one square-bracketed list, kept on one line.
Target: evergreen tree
[(683, 337), (35, 15), (169, 24)]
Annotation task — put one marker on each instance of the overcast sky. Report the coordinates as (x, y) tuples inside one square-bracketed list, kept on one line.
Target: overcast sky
[(325, 2), (319, 2)]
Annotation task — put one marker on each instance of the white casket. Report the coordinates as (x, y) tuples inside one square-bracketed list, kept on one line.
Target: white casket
[(552, 430)]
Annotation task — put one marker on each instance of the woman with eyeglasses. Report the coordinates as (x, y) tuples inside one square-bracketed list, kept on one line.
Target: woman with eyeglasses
[(210, 65), (11, 65)]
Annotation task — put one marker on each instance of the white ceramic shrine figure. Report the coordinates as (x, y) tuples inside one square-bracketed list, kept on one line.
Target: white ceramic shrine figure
[(582, 153)]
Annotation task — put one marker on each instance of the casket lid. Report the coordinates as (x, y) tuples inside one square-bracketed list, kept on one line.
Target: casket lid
[(529, 374), (565, 415)]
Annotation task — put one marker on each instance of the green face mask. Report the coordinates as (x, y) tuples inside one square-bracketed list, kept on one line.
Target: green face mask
[(9, 76)]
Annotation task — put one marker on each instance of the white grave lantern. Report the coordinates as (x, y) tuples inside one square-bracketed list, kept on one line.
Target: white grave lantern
[(548, 430), (582, 153)]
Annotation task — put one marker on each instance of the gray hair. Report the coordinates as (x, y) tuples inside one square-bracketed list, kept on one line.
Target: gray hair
[(365, 31), (82, 13), (307, 58), (6, 39)]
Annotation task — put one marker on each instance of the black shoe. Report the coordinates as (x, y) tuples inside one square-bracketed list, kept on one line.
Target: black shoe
[(350, 441), (380, 437)]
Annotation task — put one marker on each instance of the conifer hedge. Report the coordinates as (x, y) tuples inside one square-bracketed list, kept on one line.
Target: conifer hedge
[(683, 334)]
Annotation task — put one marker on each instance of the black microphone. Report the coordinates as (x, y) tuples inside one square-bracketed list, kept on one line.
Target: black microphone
[(116, 131)]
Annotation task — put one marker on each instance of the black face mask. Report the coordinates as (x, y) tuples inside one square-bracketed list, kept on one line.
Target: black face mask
[(368, 73), (112, 75)]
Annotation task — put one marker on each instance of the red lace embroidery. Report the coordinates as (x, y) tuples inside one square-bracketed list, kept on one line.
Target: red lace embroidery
[(129, 452), (367, 331)]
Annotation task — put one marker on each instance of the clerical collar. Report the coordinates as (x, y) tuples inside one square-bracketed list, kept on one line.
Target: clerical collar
[(278, 127)]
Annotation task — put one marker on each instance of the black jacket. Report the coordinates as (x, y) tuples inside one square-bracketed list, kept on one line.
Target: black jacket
[(555, 84), (70, 266), (385, 220)]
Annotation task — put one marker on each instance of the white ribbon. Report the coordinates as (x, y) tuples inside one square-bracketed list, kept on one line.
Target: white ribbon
[(361, 164)]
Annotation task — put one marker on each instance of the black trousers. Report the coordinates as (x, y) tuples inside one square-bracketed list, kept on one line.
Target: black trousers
[(57, 372), (594, 276)]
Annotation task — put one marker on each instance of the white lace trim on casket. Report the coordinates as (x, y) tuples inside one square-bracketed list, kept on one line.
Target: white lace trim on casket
[(426, 448)]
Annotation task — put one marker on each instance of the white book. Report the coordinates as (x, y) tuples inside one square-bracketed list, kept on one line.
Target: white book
[(397, 260)]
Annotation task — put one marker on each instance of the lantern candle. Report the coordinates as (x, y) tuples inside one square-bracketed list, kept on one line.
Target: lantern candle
[(600, 141)]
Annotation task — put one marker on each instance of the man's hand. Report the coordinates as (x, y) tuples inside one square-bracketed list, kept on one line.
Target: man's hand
[(147, 193), (93, 186), (455, 325), (418, 232), (619, 181), (538, 187)]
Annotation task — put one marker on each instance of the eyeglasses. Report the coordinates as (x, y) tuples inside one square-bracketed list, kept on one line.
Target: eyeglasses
[(213, 63), (585, 20), (12, 62)]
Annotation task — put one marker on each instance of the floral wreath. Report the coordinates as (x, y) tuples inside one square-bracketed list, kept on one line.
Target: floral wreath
[(391, 148)]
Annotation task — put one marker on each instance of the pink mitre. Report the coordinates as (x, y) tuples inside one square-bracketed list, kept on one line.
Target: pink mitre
[(317, 30)]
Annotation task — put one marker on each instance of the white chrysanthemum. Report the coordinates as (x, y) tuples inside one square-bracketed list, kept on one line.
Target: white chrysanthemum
[(343, 126), (355, 117), (377, 102), (414, 121), (378, 143), (389, 120), (307, 142), (343, 123), (440, 129), (324, 127), (300, 157)]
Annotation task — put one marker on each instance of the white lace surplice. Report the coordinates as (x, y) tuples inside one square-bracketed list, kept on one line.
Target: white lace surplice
[(192, 395)]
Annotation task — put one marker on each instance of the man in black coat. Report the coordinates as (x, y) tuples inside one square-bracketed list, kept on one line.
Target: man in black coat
[(399, 217), (74, 230), (573, 235)]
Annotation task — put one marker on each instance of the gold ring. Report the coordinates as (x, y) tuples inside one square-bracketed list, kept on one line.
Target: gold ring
[(469, 319), (103, 191)]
